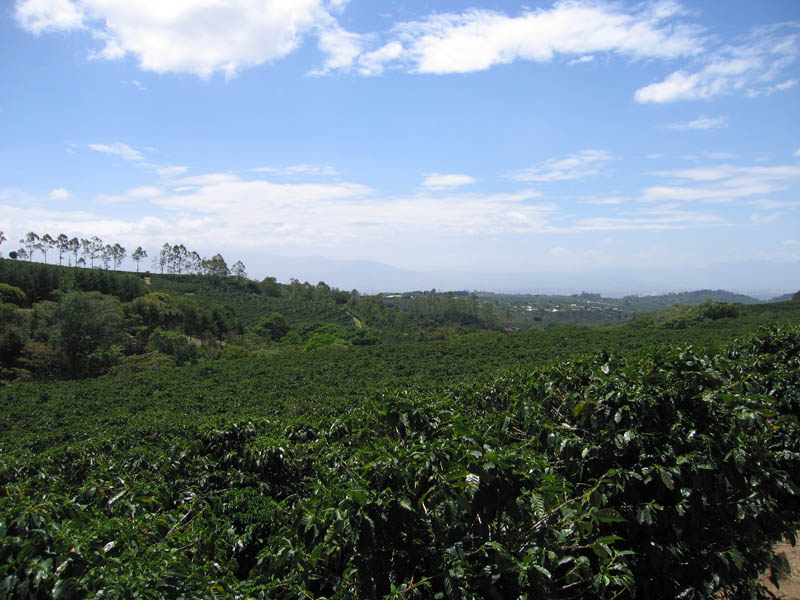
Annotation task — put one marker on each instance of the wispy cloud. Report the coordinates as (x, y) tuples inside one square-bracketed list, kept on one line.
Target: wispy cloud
[(753, 67), (722, 183), (664, 218), (575, 166), (119, 149), (59, 194), (315, 170), (762, 219), (135, 84), (719, 155), (701, 123), (147, 192), (438, 181), (258, 212), (603, 200), (475, 40), (586, 58), (173, 171)]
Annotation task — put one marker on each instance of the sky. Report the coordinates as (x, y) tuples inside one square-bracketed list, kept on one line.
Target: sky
[(486, 137)]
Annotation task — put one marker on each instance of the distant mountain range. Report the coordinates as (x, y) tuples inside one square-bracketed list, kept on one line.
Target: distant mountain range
[(761, 279)]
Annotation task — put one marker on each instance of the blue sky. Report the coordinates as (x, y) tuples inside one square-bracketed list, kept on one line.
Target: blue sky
[(447, 136)]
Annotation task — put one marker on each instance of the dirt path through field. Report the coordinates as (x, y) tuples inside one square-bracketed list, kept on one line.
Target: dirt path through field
[(356, 320)]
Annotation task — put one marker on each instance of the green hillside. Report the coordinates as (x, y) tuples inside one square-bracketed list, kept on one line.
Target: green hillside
[(219, 437)]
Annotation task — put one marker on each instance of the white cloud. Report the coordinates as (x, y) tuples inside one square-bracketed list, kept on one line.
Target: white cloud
[(438, 181), (768, 91), (208, 36), (145, 192), (575, 166), (603, 201), (341, 47), (478, 39), (257, 212), (45, 16), (119, 149), (779, 172), (373, 63), (172, 171), (772, 204), (765, 219), (750, 67), (197, 36), (797, 152), (723, 183), (790, 243), (317, 170), (701, 123), (667, 219), (135, 84), (60, 194)]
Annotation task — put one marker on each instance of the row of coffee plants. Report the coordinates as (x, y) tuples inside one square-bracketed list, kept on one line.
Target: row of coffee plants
[(151, 385), (666, 473)]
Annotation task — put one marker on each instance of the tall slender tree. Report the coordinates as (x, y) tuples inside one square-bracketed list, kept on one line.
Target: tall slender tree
[(138, 256), (86, 249), (195, 262), (95, 248), (45, 243), (178, 258), (107, 255), (216, 265), (62, 243), (118, 254), (30, 242), (238, 270), (75, 248), (163, 256)]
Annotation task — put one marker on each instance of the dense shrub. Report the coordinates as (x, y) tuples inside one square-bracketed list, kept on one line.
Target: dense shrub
[(272, 326), (666, 474), (12, 295), (175, 344)]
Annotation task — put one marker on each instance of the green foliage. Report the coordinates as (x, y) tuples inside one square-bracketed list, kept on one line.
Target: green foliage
[(664, 474), (12, 295), (323, 338), (437, 333), (272, 326), (707, 311), (270, 287), (141, 363), (90, 324), (40, 281), (174, 344), (11, 344)]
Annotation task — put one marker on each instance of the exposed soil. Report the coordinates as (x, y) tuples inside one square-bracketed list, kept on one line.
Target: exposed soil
[(789, 583)]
